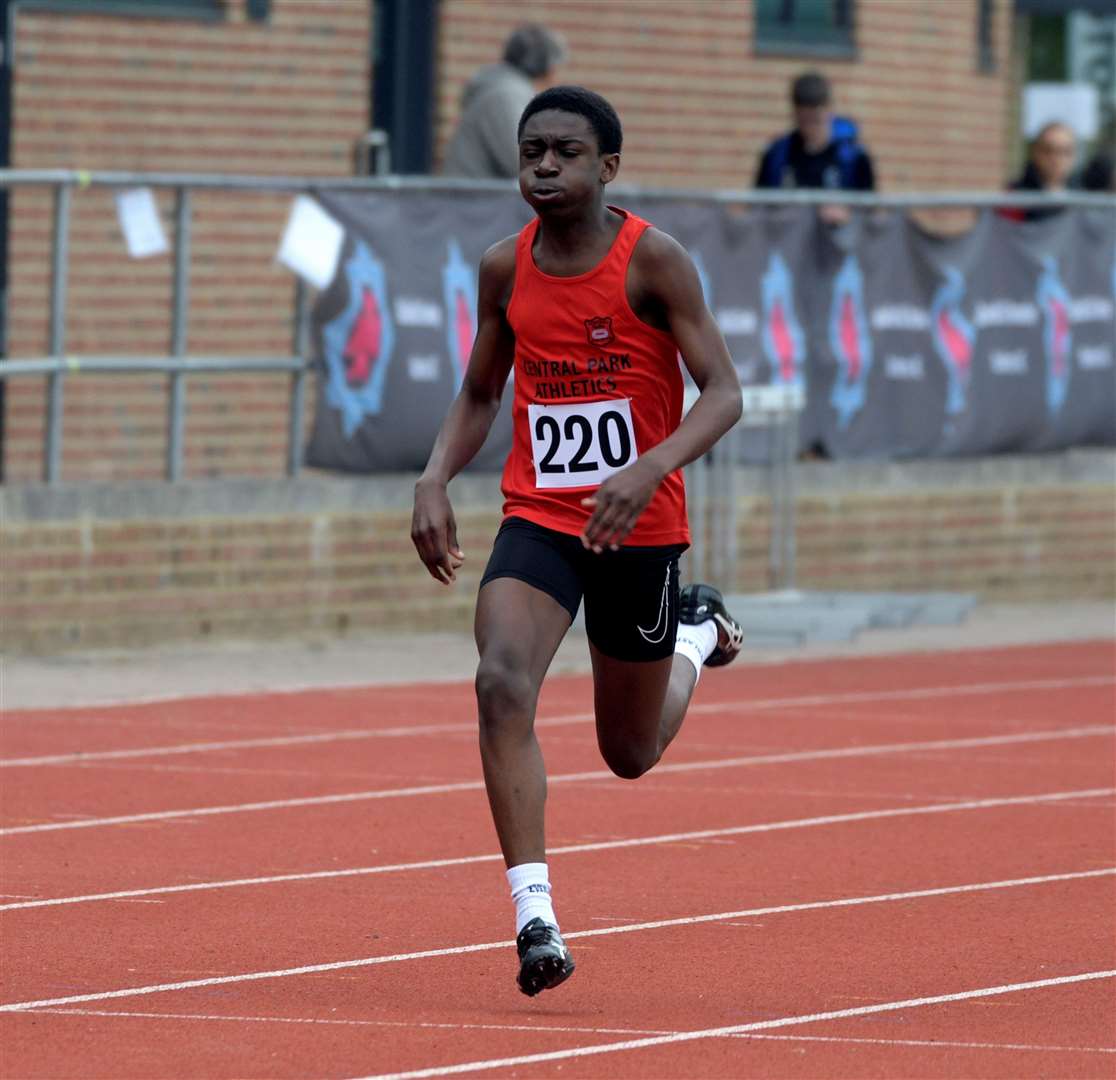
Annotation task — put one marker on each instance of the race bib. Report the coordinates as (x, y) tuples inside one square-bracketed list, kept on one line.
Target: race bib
[(581, 445)]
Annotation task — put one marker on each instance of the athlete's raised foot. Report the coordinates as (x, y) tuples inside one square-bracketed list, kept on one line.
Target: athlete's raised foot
[(544, 960), (700, 602)]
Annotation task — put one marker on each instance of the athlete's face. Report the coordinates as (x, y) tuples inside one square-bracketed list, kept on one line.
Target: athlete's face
[(560, 163)]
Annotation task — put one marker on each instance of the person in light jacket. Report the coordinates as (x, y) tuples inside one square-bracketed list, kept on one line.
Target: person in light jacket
[(484, 146)]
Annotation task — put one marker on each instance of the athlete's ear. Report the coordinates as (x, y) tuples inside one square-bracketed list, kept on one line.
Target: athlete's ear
[(610, 166)]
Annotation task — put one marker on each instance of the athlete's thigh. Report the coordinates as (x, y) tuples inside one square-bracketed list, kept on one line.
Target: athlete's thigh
[(529, 595), (519, 627), (631, 617), (628, 697)]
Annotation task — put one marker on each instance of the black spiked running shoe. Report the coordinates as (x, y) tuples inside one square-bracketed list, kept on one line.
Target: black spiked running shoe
[(544, 960), (700, 602)]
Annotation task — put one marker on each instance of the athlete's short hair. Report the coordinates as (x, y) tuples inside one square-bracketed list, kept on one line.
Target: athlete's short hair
[(576, 99), (810, 89), (534, 50)]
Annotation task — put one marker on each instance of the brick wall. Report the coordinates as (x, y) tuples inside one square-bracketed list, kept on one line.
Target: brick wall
[(287, 97), (212, 561), (699, 105)]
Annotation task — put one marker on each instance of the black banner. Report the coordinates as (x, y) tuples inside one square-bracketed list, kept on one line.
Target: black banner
[(908, 344)]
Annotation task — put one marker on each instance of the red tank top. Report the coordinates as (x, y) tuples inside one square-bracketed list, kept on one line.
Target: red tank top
[(594, 388)]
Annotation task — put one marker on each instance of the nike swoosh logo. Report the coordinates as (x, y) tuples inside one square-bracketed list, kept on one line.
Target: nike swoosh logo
[(663, 621)]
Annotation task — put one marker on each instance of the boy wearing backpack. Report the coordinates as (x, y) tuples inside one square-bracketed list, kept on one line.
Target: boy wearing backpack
[(822, 151)]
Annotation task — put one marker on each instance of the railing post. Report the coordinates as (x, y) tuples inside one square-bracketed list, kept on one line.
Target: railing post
[(300, 348), (790, 497), (59, 266), (176, 407), (774, 516)]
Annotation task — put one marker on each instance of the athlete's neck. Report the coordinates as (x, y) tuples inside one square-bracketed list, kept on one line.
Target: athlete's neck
[(565, 242)]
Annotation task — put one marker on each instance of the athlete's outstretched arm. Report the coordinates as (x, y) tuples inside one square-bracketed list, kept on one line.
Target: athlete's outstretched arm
[(666, 291), (433, 528)]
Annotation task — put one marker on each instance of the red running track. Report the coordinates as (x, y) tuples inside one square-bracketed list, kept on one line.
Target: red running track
[(894, 867)]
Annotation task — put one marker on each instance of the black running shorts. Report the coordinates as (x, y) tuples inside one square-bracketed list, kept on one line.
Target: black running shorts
[(631, 595)]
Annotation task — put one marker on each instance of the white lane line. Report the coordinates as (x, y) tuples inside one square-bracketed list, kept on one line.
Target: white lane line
[(564, 1029), (737, 1029), (350, 1023), (1093, 731), (571, 849), (403, 730), (461, 950), (928, 1042)]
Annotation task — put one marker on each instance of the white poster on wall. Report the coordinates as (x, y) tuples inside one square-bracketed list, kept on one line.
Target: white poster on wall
[(1072, 104), (140, 223)]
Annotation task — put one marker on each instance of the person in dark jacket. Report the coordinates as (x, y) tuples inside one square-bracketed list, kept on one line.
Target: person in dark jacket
[(485, 146), (1100, 173), (822, 151)]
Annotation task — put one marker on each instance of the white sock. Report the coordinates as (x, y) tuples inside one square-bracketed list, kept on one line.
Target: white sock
[(696, 643), (530, 889)]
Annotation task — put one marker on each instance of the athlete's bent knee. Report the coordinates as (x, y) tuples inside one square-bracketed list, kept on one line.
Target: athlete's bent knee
[(505, 698), (628, 762)]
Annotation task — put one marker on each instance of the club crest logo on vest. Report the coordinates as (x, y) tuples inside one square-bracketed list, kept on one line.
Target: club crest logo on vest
[(459, 285), (598, 331), (1057, 338), (954, 336), (784, 344), (357, 344), (850, 342)]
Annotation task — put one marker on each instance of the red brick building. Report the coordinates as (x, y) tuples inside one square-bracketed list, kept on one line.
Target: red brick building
[(285, 87)]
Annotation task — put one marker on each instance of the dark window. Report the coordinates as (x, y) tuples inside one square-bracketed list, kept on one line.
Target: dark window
[(986, 36), (818, 27), (171, 9)]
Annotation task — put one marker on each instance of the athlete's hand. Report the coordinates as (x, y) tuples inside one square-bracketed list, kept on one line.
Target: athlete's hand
[(434, 532), (617, 504)]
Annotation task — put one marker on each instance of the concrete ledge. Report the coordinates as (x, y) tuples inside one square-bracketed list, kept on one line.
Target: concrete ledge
[(317, 493)]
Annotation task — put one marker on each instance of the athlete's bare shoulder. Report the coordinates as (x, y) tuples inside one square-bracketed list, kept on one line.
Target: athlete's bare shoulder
[(661, 278), (658, 252), (497, 270)]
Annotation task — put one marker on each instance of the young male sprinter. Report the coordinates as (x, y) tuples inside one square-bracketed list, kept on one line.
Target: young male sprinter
[(592, 307)]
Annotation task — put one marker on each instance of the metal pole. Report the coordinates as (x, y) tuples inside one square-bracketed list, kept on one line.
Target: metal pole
[(790, 496), (59, 265), (731, 440), (176, 407), (298, 379), (775, 510)]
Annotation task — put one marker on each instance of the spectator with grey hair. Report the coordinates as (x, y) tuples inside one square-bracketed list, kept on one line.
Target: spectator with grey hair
[(485, 146)]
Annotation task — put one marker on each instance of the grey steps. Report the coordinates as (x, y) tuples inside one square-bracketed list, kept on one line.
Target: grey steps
[(841, 616)]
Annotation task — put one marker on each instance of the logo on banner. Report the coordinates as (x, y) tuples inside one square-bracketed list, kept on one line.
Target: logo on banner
[(783, 342), (599, 331), (459, 283), (358, 343), (954, 336), (1057, 339), (850, 343)]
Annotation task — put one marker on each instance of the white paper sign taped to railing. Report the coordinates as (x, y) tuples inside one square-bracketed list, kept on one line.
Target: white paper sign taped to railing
[(140, 223), (311, 243)]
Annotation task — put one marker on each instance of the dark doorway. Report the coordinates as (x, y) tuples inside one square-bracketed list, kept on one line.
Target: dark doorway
[(404, 33)]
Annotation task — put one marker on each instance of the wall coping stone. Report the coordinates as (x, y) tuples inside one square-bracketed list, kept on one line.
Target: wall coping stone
[(322, 493)]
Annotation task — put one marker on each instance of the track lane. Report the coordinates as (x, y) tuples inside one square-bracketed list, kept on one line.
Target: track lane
[(193, 935), (38, 796)]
